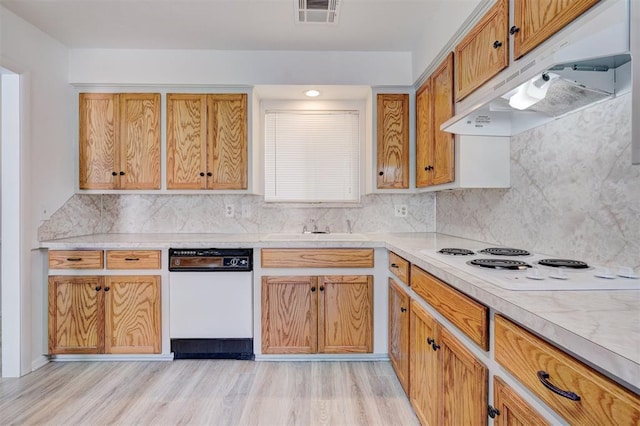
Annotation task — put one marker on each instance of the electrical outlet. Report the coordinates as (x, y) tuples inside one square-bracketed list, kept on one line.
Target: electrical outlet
[(229, 210), (401, 210)]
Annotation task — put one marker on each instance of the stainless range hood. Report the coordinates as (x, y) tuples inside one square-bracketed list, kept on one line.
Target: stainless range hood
[(586, 63)]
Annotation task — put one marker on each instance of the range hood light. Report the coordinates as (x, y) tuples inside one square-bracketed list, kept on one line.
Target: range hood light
[(531, 92)]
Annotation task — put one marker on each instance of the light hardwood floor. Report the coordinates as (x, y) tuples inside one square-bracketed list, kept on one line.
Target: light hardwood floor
[(207, 392)]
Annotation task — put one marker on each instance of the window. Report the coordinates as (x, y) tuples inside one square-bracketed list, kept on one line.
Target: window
[(312, 156)]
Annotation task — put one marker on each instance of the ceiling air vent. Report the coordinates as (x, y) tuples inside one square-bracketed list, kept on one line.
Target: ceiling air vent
[(317, 11)]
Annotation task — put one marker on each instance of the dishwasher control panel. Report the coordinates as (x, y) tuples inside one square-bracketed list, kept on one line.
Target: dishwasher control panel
[(210, 260)]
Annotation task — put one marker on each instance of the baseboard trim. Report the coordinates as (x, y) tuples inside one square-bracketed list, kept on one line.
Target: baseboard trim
[(114, 357), (39, 362), (323, 357)]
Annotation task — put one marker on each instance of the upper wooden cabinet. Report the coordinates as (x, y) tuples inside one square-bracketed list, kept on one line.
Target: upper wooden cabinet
[(537, 20), (207, 141), (393, 141), (435, 160), (484, 51), (119, 141)]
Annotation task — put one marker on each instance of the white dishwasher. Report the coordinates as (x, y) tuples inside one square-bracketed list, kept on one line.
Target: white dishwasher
[(211, 303)]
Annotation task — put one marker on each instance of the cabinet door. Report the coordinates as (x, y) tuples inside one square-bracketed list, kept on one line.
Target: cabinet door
[(76, 315), (227, 141), (537, 20), (140, 140), (465, 383), (443, 109), (484, 51), (99, 141), (186, 141), (424, 135), (132, 314), (393, 141), (399, 333), (345, 314), (425, 367), (512, 409), (289, 315)]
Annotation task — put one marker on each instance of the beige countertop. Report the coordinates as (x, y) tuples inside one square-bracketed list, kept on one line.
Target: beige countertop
[(602, 328)]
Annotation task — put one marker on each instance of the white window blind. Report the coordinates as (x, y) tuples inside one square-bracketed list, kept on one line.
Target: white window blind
[(312, 156)]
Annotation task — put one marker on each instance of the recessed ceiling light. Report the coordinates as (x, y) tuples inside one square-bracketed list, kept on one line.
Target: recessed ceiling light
[(312, 93)]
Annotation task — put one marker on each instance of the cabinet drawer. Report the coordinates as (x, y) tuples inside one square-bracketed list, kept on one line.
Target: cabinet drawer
[(399, 267), (527, 357), (76, 259), (317, 258), (133, 259), (471, 317)]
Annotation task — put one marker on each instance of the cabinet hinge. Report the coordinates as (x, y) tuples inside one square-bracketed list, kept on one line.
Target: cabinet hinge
[(493, 412)]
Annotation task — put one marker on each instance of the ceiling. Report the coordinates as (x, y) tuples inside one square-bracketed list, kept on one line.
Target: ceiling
[(363, 25)]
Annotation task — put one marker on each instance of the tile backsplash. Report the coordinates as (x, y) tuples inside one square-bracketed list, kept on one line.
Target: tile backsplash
[(574, 192), (88, 214)]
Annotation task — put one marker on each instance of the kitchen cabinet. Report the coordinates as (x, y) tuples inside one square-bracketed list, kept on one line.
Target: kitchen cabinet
[(392, 141), (448, 384), (399, 332), (119, 141), (435, 149), (468, 315), (76, 315), (104, 314), (399, 267), (535, 21), (484, 51), (317, 314), (98, 313), (207, 141), (510, 409), (573, 390), (316, 258)]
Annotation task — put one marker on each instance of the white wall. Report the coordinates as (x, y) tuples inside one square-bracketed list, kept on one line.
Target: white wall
[(202, 67), (444, 24), (47, 173)]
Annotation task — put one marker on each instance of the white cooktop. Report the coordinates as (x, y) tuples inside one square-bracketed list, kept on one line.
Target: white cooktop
[(540, 277)]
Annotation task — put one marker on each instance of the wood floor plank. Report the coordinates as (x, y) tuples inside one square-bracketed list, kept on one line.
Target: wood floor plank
[(207, 392)]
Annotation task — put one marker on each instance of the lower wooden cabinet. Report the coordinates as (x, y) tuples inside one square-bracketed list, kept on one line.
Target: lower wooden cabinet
[(104, 314), (317, 314), (510, 409), (399, 302), (448, 385), (572, 389)]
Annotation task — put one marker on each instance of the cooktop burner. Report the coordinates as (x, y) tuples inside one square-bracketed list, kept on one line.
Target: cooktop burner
[(563, 263), (456, 251), (504, 251), (500, 264)]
